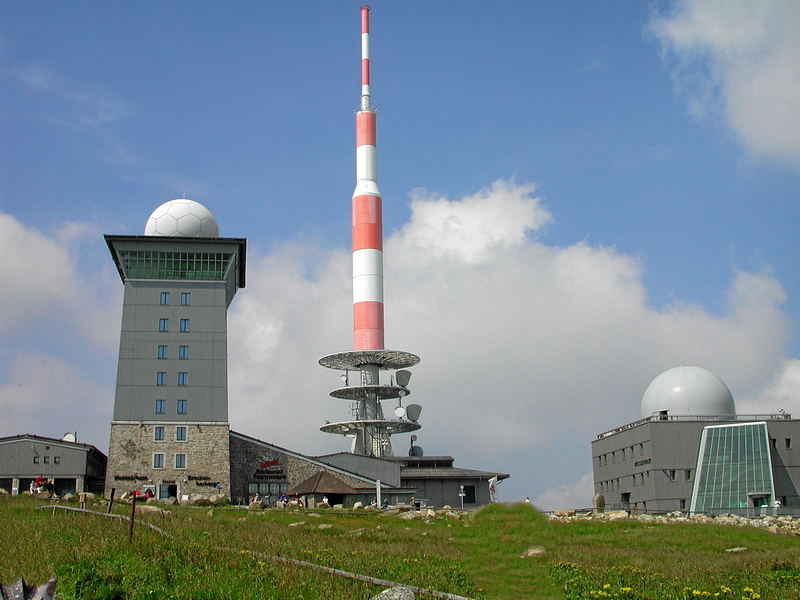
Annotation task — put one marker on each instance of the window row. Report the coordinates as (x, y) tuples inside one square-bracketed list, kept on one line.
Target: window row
[(179, 460), (159, 433), (672, 474), (145, 264), (787, 443), (163, 325), (613, 484), (163, 351), (185, 298), (180, 407), (183, 378), (46, 460), (623, 454)]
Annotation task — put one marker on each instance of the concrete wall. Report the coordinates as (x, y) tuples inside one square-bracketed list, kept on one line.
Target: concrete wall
[(438, 492), (207, 390)]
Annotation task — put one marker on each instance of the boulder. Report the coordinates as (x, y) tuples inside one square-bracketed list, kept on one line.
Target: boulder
[(616, 515), (447, 507), (565, 513), (534, 552), (736, 549), (338, 506), (430, 513), (217, 499), (255, 505), (172, 501), (452, 515), (371, 507), (324, 526), (358, 505), (399, 592), (68, 496), (645, 518), (702, 519), (296, 524), (202, 501), (152, 510), (322, 505)]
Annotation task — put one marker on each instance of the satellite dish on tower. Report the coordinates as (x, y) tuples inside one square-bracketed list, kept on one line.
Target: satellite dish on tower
[(413, 411), (70, 437), (403, 377), (400, 412)]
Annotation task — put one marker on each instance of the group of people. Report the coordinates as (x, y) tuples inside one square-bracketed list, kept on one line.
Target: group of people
[(40, 484)]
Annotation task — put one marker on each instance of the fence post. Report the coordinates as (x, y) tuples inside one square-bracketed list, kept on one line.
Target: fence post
[(111, 500), (133, 518)]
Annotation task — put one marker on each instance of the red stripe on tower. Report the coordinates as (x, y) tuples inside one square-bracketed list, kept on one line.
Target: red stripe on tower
[(368, 324)]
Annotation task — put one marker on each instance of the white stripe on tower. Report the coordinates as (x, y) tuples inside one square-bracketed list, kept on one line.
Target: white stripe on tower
[(367, 219)]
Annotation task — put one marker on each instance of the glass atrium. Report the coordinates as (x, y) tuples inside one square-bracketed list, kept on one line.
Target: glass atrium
[(734, 471)]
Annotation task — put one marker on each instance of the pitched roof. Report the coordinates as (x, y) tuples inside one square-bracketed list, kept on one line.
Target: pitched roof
[(321, 482)]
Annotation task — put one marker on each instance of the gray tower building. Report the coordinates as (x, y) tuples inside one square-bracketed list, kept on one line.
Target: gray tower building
[(170, 428)]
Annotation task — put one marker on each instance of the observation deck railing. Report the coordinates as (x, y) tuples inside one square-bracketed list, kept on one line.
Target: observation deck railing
[(779, 416)]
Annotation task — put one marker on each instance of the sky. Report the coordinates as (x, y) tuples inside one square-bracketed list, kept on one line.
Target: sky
[(577, 197)]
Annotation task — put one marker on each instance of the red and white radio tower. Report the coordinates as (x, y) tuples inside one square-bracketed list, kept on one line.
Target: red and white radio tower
[(369, 429)]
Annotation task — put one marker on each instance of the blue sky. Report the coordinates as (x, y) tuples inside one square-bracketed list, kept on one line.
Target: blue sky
[(653, 144)]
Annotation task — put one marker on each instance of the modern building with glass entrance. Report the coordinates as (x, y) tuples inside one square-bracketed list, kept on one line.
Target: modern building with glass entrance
[(691, 451)]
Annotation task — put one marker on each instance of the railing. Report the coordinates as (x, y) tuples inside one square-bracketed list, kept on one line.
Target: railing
[(781, 416)]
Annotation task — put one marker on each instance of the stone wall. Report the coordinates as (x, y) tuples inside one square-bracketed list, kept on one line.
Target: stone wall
[(131, 449), (252, 462)]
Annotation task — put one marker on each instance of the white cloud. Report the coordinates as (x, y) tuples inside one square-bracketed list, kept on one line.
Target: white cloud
[(48, 396), (527, 350), (739, 59), (45, 288), (782, 393), (578, 494)]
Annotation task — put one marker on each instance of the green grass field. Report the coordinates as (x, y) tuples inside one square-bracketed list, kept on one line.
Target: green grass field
[(480, 557)]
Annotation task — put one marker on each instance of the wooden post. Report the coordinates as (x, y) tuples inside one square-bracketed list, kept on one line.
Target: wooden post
[(111, 500), (133, 518)]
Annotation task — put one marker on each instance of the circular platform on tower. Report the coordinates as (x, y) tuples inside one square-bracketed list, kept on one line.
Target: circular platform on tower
[(370, 392), (355, 359), (352, 427)]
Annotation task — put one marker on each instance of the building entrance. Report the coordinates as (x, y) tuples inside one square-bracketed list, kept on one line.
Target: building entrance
[(167, 491)]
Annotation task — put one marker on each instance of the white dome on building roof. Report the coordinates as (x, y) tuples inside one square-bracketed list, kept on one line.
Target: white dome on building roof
[(182, 218), (687, 390)]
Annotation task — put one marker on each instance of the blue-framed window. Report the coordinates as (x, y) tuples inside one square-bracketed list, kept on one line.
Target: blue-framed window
[(180, 433), (164, 298), (184, 325), (161, 378), (183, 351), (183, 378), (180, 461), (181, 407), (162, 352), (160, 406), (163, 324), (186, 298), (158, 433), (158, 460)]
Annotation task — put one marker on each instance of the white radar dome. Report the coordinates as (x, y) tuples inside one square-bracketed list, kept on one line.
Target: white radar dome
[(182, 218), (687, 391)]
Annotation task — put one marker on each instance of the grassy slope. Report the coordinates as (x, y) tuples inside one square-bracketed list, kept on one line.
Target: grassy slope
[(480, 557)]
